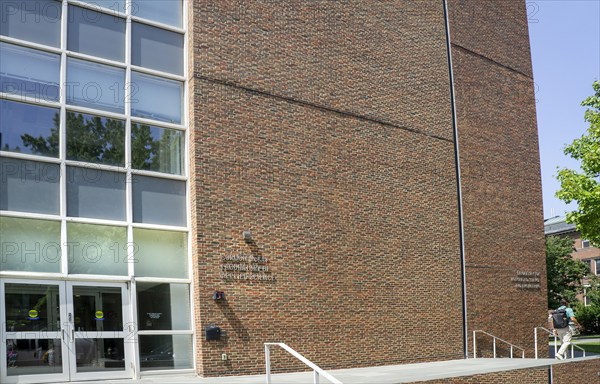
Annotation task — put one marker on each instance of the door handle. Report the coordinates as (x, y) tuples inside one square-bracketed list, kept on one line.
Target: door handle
[(72, 335), (63, 334)]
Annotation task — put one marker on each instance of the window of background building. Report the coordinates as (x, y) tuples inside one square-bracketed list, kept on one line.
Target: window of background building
[(92, 150), (585, 243)]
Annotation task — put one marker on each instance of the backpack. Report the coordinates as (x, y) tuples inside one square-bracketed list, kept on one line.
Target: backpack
[(559, 318)]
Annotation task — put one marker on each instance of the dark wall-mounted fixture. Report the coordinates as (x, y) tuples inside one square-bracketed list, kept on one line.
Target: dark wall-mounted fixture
[(212, 332), (247, 236), (218, 295)]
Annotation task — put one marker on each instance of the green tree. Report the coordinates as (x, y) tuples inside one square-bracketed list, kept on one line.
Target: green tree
[(564, 273), (584, 187)]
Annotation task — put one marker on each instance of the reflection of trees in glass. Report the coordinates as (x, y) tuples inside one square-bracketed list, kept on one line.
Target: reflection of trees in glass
[(43, 146), (161, 155), (101, 140), (95, 139)]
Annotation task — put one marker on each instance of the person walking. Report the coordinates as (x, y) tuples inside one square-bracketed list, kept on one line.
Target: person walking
[(565, 325)]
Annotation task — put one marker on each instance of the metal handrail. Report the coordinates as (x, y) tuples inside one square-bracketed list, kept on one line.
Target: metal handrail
[(535, 337), (573, 345), (494, 343), (316, 369), (578, 347)]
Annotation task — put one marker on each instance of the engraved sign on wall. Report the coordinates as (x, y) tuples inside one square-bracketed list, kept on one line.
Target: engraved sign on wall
[(527, 280), (245, 267)]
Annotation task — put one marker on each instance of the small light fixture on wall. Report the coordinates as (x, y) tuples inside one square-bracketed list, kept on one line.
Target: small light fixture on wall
[(218, 295), (247, 236)]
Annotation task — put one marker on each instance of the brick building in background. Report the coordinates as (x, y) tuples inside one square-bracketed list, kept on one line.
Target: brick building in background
[(361, 181), (583, 249)]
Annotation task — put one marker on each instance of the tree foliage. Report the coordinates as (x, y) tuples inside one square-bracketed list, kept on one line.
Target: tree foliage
[(564, 273), (101, 140), (584, 187)]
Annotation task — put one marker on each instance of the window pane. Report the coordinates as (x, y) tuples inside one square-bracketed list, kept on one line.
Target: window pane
[(32, 307), (99, 354), (96, 33), (32, 20), (38, 79), (28, 128), (29, 186), (96, 194), (158, 201), (163, 306), (95, 85), (145, 103), (165, 352), (163, 11), (153, 247), (95, 139), (157, 48), (97, 249), (29, 245), (115, 5), (22, 358), (88, 300), (156, 149)]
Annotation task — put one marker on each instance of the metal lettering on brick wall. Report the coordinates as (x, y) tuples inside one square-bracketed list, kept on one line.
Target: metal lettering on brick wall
[(245, 267), (527, 280)]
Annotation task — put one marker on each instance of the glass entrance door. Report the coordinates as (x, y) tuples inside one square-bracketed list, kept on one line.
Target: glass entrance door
[(32, 347), (59, 331), (100, 331)]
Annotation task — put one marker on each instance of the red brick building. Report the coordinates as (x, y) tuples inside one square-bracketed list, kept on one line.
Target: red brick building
[(342, 172), (583, 249)]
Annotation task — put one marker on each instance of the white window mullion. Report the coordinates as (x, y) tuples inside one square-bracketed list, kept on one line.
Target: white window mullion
[(134, 347), (63, 140)]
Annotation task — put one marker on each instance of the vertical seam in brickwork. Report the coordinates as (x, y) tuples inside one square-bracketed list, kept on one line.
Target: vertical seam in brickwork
[(458, 188)]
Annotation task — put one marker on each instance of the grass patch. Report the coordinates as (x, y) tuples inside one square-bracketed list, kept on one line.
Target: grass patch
[(589, 347)]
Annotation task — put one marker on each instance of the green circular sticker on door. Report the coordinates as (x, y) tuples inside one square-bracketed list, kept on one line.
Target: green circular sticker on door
[(99, 315), (33, 315)]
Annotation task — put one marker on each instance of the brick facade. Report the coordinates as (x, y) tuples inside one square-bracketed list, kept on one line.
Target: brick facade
[(521, 376), (310, 132), (325, 128), (500, 171), (584, 372)]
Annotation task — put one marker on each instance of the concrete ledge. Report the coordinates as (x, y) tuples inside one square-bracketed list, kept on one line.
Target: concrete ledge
[(393, 374)]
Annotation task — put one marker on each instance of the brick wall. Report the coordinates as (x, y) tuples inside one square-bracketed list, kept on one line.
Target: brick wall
[(521, 376), (584, 372), (325, 128), (500, 170)]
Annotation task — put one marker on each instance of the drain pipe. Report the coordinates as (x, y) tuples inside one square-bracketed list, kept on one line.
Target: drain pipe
[(458, 187)]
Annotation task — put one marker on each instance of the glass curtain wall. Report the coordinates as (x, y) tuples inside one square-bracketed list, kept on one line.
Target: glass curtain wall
[(93, 156)]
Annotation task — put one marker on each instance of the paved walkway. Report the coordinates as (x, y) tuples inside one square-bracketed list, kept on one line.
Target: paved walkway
[(394, 374)]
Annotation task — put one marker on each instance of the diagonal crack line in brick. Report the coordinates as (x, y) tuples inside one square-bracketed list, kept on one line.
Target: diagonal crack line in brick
[(491, 60), (317, 106)]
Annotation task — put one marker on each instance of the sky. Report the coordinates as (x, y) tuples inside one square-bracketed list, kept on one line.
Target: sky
[(565, 50)]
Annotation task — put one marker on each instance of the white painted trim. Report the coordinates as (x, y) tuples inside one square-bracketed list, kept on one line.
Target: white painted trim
[(167, 27), (29, 44), (95, 112), (161, 175), (167, 280), (160, 124), (98, 8), (96, 59), (29, 215), (29, 100), (27, 156), (160, 333), (157, 73)]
